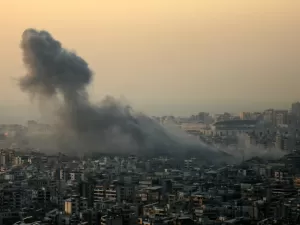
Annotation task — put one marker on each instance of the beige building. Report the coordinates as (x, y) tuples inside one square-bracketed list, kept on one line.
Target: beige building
[(245, 115)]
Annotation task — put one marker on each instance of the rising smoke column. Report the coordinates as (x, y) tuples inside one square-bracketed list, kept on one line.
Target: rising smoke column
[(55, 72), (52, 71)]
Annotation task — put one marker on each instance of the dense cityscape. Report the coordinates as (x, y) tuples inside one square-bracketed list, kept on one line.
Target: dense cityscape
[(94, 159), (42, 188)]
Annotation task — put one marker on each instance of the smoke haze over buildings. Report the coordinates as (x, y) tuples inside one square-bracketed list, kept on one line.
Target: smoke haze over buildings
[(60, 77), (246, 151)]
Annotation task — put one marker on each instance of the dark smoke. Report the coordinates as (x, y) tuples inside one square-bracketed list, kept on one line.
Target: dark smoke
[(59, 75)]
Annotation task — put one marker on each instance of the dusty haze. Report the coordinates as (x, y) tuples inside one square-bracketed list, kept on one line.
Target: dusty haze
[(59, 77), (175, 57)]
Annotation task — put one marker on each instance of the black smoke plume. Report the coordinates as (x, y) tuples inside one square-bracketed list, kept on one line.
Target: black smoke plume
[(55, 73)]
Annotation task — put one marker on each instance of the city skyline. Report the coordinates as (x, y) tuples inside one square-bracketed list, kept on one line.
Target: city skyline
[(151, 112), (34, 112)]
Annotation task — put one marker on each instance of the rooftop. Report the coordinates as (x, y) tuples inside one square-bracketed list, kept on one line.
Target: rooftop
[(154, 188), (236, 123)]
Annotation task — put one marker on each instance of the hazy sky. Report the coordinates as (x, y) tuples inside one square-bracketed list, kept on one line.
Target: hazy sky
[(167, 56)]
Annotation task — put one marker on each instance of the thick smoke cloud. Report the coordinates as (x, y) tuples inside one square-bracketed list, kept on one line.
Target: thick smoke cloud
[(59, 75)]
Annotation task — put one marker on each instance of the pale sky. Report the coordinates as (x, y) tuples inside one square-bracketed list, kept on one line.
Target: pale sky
[(167, 56)]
